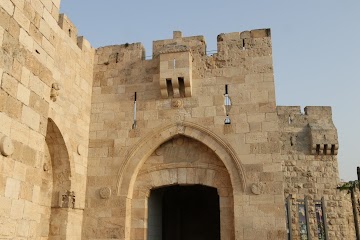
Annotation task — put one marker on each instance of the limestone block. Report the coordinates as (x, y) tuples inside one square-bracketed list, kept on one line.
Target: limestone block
[(255, 117), (8, 6), (49, 19), (23, 228), (21, 19), (12, 188), (31, 212), (37, 6), (259, 96), (9, 84), (182, 175), (7, 227), (23, 94), (30, 118), (47, 4), (17, 208), (14, 28), (5, 206), (256, 137), (2, 31), (19, 172)]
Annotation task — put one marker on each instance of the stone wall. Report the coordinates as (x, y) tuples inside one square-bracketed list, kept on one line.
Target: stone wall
[(45, 93), (75, 165), (310, 168), (249, 146)]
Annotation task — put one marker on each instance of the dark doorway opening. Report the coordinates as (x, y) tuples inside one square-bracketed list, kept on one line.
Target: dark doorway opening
[(184, 213)]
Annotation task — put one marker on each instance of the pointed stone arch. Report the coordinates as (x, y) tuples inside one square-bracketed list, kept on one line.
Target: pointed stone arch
[(59, 166), (60, 157), (59, 122), (142, 150)]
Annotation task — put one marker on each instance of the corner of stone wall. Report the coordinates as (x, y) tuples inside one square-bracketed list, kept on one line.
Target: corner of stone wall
[(257, 38)]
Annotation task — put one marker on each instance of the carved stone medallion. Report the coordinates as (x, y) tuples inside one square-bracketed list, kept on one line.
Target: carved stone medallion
[(105, 192), (180, 128), (81, 150), (257, 188), (176, 103), (6, 146)]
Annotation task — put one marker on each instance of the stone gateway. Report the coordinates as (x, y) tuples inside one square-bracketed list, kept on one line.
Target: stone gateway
[(106, 144)]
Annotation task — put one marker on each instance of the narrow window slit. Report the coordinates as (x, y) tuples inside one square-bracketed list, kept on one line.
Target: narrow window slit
[(181, 86), (291, 141), (117, 57), (243, 44), (333, 149), (69, 32), (169, 86), (325, 149), (317, 149)]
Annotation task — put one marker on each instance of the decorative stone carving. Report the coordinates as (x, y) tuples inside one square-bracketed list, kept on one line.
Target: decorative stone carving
[(54, 93), (6, 146), (257, 188), (159, 151), (180, 128), (81, 150), (67, 199), (105, 192), (45, 167), (176, 103)]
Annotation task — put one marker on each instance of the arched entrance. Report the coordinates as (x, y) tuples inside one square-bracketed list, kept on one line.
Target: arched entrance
[(57, 173), (184, 168), (184, 212)]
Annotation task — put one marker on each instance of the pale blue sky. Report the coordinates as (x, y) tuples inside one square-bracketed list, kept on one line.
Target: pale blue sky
[(316, 46)]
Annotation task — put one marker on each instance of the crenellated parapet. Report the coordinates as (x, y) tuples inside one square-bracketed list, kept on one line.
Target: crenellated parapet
[(120, 54), (70, 30), (244, 40), (194, 44), (66, 25), (312, 132)]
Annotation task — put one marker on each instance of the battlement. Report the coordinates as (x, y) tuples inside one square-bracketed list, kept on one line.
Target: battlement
[(245, 40), (124, 53), (315, 124), (66, 25), (229, 45), (69, 28), (195, 44), (312, 113), (257, 38)]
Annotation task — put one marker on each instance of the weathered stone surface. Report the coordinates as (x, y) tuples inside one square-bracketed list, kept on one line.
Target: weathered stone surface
[(69, 112)]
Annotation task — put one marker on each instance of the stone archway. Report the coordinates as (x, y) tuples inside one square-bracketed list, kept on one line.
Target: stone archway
[(196, 164), (58, 168), (177, 175), (142, 150), (183, 212)]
